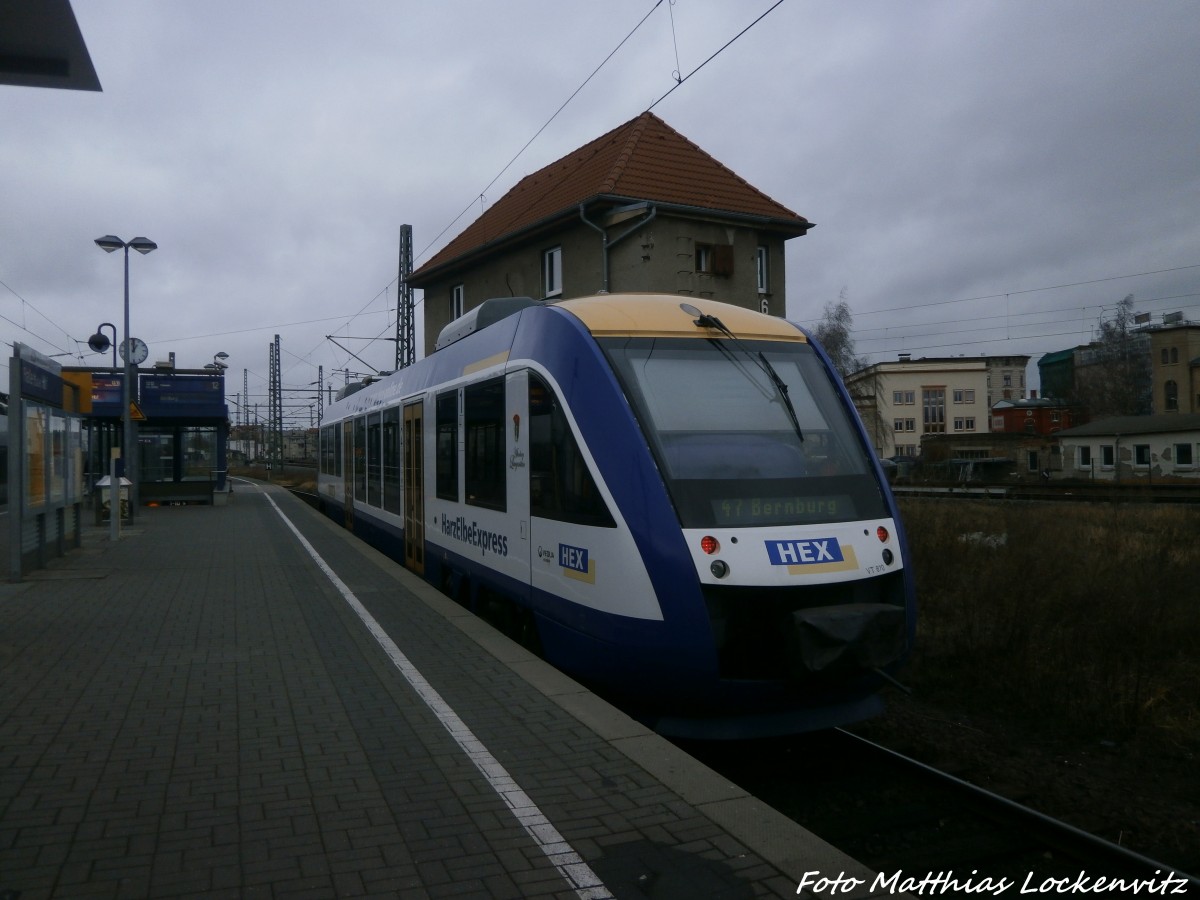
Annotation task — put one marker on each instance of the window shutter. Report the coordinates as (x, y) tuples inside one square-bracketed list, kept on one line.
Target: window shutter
[(722, 259)]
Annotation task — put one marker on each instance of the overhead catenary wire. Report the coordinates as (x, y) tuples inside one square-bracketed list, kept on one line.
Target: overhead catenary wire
[(1052, 287), (679, 80)]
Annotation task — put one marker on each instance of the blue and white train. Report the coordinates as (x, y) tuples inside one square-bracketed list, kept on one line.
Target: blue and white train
[(672, 500)]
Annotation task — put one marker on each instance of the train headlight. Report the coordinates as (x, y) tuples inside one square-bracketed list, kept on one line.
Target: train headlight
[(719, 568), (887, 557), (709, 544)]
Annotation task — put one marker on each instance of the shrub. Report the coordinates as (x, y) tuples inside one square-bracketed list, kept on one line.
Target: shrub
[(1073, 616)]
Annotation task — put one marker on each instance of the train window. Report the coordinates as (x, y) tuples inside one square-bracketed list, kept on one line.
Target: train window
[(725, 442), (486, 474), (360, 459), (331, 444), (391, 460), (447, 446), (337, 448), (560, 485), (375, 459)]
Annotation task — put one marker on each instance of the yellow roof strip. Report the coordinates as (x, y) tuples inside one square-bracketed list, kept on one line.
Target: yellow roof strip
[(486, 363), (661, 315)]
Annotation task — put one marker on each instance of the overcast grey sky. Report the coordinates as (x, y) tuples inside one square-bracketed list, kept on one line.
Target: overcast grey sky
[(963, 161)]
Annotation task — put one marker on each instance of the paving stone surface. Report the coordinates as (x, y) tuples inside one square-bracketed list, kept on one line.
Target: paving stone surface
[(196, 711)]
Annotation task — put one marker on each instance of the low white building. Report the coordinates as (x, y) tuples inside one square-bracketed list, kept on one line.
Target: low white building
[(902, 401), (1129, 447)]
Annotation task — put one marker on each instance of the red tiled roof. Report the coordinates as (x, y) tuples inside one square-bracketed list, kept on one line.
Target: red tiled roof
[(644, 159)]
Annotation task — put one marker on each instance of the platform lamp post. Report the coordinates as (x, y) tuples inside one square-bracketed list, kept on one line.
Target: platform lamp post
[(99, 343), (142, 245)]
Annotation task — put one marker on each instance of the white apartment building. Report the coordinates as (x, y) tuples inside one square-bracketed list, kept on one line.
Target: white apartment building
[(904, 400)]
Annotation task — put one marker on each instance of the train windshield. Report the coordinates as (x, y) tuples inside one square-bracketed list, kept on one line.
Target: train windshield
[(716, 417)]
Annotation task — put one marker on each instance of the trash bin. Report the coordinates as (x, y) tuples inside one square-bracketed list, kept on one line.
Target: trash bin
[(103, 498)]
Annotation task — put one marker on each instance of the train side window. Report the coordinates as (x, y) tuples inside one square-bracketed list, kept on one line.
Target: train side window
[(392, 475), (447, 446), (486, 474), (360, 459), (375, 459), (331, 444), (560, 485)]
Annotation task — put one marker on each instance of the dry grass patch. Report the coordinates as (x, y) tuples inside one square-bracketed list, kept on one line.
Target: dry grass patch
[(1073, 616)]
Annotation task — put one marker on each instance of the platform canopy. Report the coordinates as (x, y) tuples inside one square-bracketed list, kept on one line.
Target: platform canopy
[(41, 46)]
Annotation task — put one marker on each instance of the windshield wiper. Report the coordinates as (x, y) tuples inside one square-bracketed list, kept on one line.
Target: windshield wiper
[(706, 321)]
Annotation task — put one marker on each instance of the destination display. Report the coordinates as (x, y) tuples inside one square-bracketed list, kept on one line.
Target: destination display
[(183, 396), (106, 389), (777, 510)]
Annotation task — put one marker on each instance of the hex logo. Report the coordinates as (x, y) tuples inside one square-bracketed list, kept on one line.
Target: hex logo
[(811, 555), (576, 563)]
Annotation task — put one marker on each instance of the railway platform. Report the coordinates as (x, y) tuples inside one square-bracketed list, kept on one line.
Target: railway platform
[(246, 701)]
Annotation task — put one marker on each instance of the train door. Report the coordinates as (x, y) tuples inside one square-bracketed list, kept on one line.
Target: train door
[(348, 472), (414, 487)]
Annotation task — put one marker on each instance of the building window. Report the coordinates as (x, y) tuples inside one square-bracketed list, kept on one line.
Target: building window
[(962, 395), (762, 260), (933, 403), (959, 423), (1183, 456), (897, 425), (1084, 459), (552, 272), (484, 469), (1108, 456), (1141, 454), (456, 302), (1164, 356), (714, 259), (904, 398), (1174, 354), (1170, 396), (1032, 460)]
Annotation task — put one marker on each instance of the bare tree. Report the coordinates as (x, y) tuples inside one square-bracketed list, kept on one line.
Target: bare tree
[(834, 333), (1113, 376)]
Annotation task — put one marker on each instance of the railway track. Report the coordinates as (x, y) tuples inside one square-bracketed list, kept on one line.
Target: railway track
[(1070, 493), (928, 832)]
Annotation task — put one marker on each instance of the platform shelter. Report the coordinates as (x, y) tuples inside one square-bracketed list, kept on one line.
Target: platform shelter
[(181, 431)]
